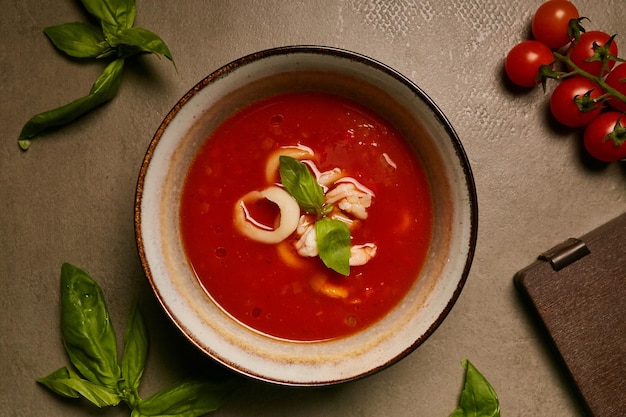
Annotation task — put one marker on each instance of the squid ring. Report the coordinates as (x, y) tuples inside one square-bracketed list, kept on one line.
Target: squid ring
[(288, 222)]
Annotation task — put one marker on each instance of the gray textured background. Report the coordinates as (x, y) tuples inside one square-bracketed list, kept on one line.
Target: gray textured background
[(70, 198)]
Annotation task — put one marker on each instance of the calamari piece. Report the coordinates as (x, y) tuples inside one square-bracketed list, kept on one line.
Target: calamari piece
[(327, 178), (323, 285), (361, 254), (389, 161), (289, 216), (286, 252), (324, 179), (339, 215), (351, 196), (307, 244), (298, 152)]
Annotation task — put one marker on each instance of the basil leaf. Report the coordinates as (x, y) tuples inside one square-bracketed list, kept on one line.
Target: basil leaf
[(478, 398), (108, 83), (78, 39), (56, 382), (333, 244), (68, 383), (185, 399), (117, 13), (135, 352), (103, 90), (300, 183), (86, 327), (142, 40), (125, 12)]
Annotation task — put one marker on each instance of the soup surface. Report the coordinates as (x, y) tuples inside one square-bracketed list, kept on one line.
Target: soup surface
[(271, 287)]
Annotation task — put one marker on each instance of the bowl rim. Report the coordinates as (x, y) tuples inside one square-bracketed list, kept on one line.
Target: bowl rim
[(377, 66)]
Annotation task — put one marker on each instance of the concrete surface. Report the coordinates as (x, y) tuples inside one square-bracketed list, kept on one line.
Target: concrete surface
[(70, 197)]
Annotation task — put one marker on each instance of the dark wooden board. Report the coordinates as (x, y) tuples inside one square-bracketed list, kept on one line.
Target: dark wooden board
[(582, 308)]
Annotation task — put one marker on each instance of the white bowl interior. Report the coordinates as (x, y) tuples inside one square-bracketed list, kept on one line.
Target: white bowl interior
[(312, 69)]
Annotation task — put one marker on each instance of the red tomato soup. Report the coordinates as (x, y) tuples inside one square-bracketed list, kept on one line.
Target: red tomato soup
[(271, 287)]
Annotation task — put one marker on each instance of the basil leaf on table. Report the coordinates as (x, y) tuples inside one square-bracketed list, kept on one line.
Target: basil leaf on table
[(301, 184), (135, 352), (103, 90), (90, 342), (68, 383), (184, 399), (78, 39), (143, 41), (333, 244), (57, 382), (86, 327), (115, 13), (478, 398), (116, 38)]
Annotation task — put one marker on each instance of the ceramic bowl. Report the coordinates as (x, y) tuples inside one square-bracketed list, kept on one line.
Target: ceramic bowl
[(392, 96)]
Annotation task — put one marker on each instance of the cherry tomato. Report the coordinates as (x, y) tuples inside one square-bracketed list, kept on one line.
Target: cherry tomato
[(551, 21), (617, 80), (605, 137), (582, 50), (563, 105), (523, 61)]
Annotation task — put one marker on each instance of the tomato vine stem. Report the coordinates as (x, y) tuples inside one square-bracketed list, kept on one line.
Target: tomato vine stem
[(575, 70)]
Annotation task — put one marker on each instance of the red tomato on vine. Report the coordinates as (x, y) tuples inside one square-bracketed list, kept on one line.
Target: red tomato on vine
[(617, 80), (605, 137), (563, 102), (582, 52), (523, 61), (551, 22)]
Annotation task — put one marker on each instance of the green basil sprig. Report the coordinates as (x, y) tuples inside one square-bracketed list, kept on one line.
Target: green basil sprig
[(332, 236), (478, 398), (89, 340), (114, 40)]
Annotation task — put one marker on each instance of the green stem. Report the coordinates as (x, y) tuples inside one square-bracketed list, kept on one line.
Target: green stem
[(598, 80)]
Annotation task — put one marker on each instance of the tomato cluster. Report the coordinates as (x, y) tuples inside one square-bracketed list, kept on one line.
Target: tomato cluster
[(591, 90)]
